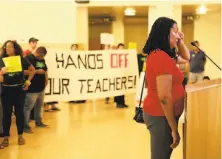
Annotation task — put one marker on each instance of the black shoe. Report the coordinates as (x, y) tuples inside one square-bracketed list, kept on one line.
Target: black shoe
[(120, 106), (1, 135), (28, 130), (55, 109), (41, 125), (126, 106)]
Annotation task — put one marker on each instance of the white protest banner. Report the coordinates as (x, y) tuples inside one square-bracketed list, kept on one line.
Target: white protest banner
[(84, 75)]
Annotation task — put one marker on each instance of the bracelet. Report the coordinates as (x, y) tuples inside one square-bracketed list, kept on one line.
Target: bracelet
[(28, 82)]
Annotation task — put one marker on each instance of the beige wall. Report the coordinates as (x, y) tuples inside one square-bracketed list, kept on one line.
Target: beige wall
[(135, 30), (94, 34), (188, 30), (208, 31), (136, 33), (50, 22)]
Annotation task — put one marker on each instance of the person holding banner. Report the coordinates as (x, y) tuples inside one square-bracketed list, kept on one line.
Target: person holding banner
[(120, 100), (1, 117), (33, 42), (74, 47), (12, 66), (36, 92), (164, 103)]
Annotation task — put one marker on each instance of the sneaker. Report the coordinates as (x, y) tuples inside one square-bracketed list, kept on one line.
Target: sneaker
[(41, 125), (28, 130), (55, 109), (120, 106)]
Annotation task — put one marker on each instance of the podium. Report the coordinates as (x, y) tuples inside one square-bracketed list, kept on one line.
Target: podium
[(202, 121)]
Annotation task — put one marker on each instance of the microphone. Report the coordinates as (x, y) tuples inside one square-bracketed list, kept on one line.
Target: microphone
[(194, 44)]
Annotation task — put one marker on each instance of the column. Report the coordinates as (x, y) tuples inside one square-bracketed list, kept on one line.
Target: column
[(118, 28), (165, 9), (82, 27)]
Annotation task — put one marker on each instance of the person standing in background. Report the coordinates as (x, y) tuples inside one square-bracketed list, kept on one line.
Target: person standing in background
[(120, 100), (106, 47), (13, 90), (141, 58), (206, 78), (36, 92), (33, 42), (74, 47), (185, 70), (197, 64), (1, 116)]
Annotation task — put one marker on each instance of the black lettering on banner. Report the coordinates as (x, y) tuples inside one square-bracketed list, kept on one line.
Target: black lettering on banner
[(60, 61), (130, 81), (108, 84), (81, 61), (50, 87), (60, 84), (82, 85), (134, 81), (89, 85), (112, 83), (54, 88), (123, 83), (100, 61), (104, 90), (118, 83), (98, 86), (92, 61), (70, 62), (65, 84)]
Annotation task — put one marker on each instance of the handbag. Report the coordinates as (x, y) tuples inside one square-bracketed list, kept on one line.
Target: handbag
[(139, 110)]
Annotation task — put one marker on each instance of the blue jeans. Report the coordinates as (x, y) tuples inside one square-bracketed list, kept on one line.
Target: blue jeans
[(33, 100)]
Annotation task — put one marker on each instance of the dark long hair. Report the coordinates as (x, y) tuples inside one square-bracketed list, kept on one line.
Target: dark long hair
[(159, 37), (17, 48)]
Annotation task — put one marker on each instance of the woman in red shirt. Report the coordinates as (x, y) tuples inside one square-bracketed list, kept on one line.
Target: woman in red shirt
[(164, 102)]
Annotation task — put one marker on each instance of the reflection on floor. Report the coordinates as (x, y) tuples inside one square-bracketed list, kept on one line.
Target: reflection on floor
[(94, 130)]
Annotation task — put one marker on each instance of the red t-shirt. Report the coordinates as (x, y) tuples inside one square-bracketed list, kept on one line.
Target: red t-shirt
[(26, 52), (160, 63)]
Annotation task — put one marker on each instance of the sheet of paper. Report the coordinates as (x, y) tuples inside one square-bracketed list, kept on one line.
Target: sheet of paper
[(132, 45), (13, 63)]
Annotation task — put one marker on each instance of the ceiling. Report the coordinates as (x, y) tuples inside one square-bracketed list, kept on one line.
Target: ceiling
[(95, 11), (143, 10)]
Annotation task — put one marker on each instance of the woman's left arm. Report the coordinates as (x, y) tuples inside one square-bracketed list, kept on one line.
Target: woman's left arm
[(26, 72), (31, 72)]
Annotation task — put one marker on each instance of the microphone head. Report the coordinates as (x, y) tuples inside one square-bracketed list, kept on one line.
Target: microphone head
[(193, 43)]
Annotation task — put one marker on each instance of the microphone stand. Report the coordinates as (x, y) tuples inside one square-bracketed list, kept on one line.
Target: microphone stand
[(207, 56)]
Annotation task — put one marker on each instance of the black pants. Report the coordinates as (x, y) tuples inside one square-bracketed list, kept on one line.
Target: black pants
[(13, 96), (160, 134), (119, 99)]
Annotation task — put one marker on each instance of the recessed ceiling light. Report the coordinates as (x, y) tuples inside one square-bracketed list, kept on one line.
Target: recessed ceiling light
[(201, 10), (130, 12)]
